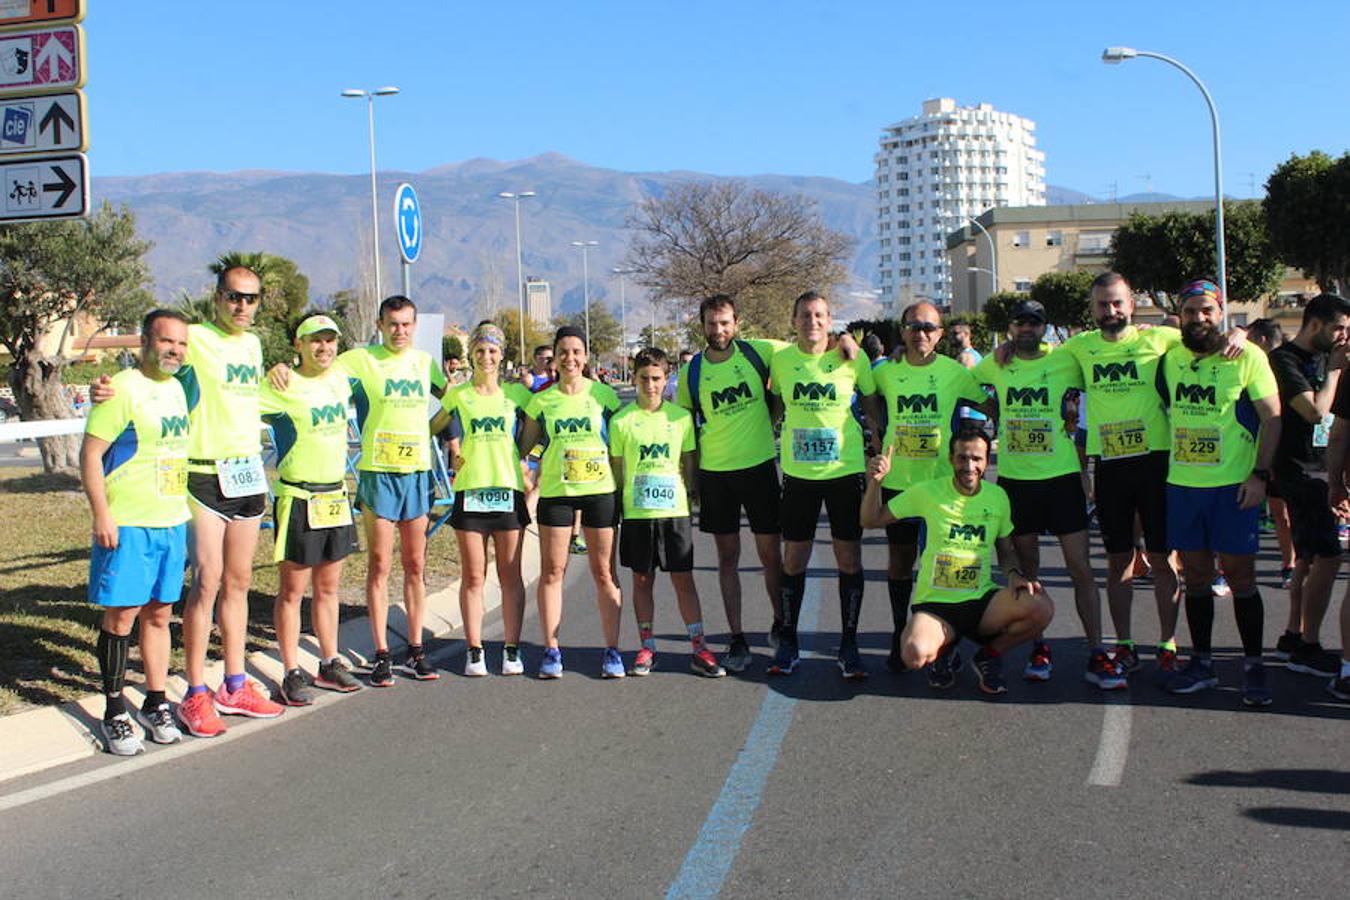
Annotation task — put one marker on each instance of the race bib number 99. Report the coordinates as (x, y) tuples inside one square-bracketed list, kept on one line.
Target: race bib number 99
[(241, 477), (1030, 436)]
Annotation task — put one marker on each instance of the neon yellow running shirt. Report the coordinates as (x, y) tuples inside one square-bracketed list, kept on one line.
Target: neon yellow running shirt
[(821, 439), (1032, 442), (960, 533), (221, 377), (736, 432), (145, 466), (650, 444), (486, 426), (920, 408), (575, 430), (391, 392), (1214, 424), (309, 422), (1125, 414)]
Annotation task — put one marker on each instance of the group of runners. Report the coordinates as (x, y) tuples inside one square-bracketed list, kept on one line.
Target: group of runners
[(1184, 426)]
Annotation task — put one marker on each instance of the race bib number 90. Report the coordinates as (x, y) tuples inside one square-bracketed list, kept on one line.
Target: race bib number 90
[(584, 466), (956, 572), (1030, 436), (1122, 439), (1197, 446), (241, 477), (815, 445)]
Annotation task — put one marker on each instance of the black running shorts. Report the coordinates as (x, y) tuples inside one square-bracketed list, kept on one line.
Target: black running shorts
[(802, 499), (646, 544), (721, 495)]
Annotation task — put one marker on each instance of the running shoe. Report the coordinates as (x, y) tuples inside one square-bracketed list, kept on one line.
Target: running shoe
[(775, 633), (1286, 645), (382, 673), (1102, 671), (850, 662), (643, 662), (120, 736), (1286, 577), (612, 665), (475, 663), (335, 676), (1311, 659), (1125, 658), (578, 545), (1167, 661), (198, 716), (704, 663), (989, 670), (1255, 692), (737, 658), (419, 667), (1198, 675), (1040, 664), (159, 725), (295, 689), (785, 658), (942, 671), (511, 661), (247, 701), (895, 660), (1339, 687), (1220, 586), (551, 666)]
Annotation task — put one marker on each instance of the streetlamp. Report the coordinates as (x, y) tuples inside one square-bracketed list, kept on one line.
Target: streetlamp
[(374, 203), (586, 284), (623, 315), (1116, 55), (520, 270)]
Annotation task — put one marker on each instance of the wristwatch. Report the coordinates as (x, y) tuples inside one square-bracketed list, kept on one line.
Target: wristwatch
[(1263, 474)]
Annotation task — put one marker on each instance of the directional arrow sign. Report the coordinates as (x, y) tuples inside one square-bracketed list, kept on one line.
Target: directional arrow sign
[(408, 222), (42, 124), (42, 60), (32, 12), (44, 187)]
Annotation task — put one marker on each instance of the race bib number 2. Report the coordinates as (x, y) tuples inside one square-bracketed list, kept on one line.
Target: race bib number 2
[(241, 477), (917, 441)]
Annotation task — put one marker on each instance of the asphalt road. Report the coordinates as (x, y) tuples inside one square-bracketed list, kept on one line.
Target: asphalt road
[(744, 786)]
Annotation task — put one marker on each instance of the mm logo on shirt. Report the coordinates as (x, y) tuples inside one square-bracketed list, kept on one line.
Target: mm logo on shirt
[(653, 451), (966, 533), (1195, 393), (172, 425), (731, 395), (1028, 396), (404, 387), (487, 424), (327, 415), (809, 390), (916, 403), (1114, 371), (572, 425), (241, 374)]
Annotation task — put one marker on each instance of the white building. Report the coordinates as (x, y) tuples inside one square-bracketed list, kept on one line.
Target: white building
[(933, 171), (538, 300)]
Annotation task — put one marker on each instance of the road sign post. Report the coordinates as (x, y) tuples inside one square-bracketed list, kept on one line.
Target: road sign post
[(43, 123), (39, 12), (45, 187), (408, 225), (42, 60)]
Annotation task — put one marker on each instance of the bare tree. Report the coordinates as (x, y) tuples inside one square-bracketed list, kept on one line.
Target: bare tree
[(489, 295), (724, 237)]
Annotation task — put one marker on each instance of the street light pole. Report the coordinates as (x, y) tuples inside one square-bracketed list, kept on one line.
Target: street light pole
[(1116, 55), (623, 318), (586, 284), (374, 201), (520, 267)]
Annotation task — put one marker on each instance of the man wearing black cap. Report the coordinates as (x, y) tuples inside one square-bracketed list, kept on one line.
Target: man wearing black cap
[(1039, 469)]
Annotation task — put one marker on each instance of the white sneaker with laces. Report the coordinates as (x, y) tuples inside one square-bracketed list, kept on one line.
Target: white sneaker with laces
[(159, 724), (121, 737), (475, 664)]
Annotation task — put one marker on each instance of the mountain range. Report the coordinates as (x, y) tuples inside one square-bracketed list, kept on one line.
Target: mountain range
[(467, 266)]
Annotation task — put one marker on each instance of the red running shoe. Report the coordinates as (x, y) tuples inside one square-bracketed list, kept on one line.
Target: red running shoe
[(247, 701)]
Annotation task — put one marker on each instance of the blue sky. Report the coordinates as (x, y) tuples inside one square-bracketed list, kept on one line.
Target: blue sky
[(727, 88)]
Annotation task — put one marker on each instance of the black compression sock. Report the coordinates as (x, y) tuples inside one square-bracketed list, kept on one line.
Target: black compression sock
[(1200, 618), (900, 590), (790, 602), (1250, 613), (112, 650), (850, 603)]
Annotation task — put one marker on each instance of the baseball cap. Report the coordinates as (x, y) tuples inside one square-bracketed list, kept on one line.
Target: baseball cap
[(315, 324), (1028, 309)]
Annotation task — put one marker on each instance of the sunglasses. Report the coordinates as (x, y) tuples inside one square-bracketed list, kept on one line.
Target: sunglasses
[(241, 297), (1027, 321), (925, 327)]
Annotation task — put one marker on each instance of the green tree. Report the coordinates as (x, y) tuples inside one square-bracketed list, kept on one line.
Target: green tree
[(998, 315), (1160, 254), (50, 273), (606, 332), (285, 296), (1066, 297), (451, 345), (724, 237), (508, 320), (1307, 199)]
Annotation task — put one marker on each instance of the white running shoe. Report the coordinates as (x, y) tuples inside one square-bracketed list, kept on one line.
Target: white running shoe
[(159, 724), (475, 663), (121, 737), (511, 662)]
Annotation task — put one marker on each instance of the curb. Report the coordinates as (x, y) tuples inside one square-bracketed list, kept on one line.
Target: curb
[(51, 736)]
